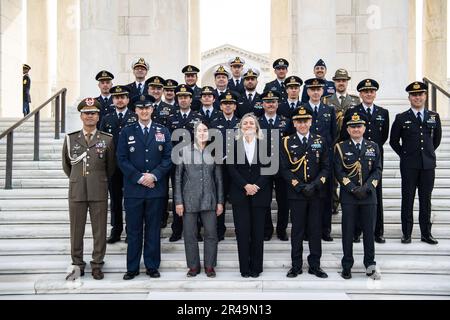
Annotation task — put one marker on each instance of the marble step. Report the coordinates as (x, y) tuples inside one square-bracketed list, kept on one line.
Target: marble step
[(61, 231), (16, 247)]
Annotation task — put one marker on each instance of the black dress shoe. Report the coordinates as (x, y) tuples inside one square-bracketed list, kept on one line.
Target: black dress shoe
[(356, 239), (193, 273), (318, 272), (406, 239), (380, 239), (429, 240), (130, 275), (113, 239), (283, 237), (174, 238), (221, 238), (153, 273), (267, 238), (254, 274), (294, 272), (346, 274), (163, 224), (97, 274), (245, 275), (327, 238)]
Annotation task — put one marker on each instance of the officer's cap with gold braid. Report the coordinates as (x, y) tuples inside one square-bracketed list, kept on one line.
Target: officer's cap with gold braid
[(236, 62), (104, 75), (355, 119), (155, 81), (293, 81), (89, 105), (271, 95), (140, 63), (25, 66), (120, 91), (170, 84), (368, 84), (280, 63), (251, 73), (207, 90), (190, 69), (416, 87), (221, 70), (184, 90), (228, 96), (314, 83), (302, 113)]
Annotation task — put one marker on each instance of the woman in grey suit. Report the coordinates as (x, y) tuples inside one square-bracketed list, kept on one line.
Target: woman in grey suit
[(199, 192)]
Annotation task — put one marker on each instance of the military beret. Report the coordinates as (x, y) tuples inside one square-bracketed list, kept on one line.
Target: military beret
[(89, 105), (170, 84), (155, 81), (189, 69), (236, 62), (280, 63), (25, 66), (104, 75), (228, 96), (320, 63), (368, 84), (293, 81), (184, 90), (221, 70), (250, 73), (207, 90), (140, 63), (270, 95), (119, 91), (315, 83), (143, 101), (341, 74), (355, 119), (302, 113), (416, 87)]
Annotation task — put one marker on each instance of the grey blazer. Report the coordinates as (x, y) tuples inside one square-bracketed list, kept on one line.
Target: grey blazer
[(198, 181)]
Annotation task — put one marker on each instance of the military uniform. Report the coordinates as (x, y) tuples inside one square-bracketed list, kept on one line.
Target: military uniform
[(329, 86), (196, 90), (213, 113), (26, 91), (420, 139), (162, 113), (236, 85), (305, 169), (138, 89), (249, 102), (341, 106), (88, 162), (106, 102), (278, 85), (358, 170)]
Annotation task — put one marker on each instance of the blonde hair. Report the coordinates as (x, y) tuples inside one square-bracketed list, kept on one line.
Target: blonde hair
[(259, 135)]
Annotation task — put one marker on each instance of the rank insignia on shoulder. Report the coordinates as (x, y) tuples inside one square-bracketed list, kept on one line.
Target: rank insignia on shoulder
[(375, 183), (323, 179), (346, 181)]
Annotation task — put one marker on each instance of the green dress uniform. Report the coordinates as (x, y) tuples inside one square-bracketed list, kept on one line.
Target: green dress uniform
[(88, 164)]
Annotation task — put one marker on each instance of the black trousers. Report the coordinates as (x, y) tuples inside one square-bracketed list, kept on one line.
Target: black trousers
[(379, 223), (327, 207), (115, 187), (423, 180), (305, 215), (366, 215), (165, 216), (249, 224), (283, 209), (221, 228)]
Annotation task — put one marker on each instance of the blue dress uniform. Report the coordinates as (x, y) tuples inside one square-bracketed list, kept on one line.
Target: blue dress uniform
[(358, 170), (419, 141), (280, 124), (197, 91), (214, 113), (278, 85), (329, 88), (377, 130), (305, 169), (286, 108), (106, 103), (162, 113), (139, 153), (236, 85), (245, 105), (113, 124), (26, 91)]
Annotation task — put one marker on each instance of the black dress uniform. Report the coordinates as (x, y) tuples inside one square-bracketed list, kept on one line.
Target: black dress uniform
[(106, 103), (196, 90), (26, 91), (247, 104), (209, 115), (287, 108), (305, 169), (236, 85), (162, 113), (358, 170), (420, 137), (278, 85), (138, 89)]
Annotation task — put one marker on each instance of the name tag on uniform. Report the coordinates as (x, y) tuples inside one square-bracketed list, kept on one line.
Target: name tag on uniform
[(159, 137)]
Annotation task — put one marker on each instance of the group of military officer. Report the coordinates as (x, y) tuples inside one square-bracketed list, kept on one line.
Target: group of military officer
[(326, 136)]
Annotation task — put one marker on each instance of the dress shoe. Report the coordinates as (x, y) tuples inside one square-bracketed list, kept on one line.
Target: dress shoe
[(174, 238), (429, 240), (318, 272), (97, 274), (130, 275), (163, 224), (193, 273), (346, 274), (373, 274), (380, 239), (406, 239), (356, 239), (113, 238), (75, 273), (245, 275), (283, 237), (254, 274), (221, 238), (267, 238), (210, 272), (294, 272), (327, 238), (153, 273)]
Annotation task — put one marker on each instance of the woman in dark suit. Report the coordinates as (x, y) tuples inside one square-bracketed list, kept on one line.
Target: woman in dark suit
[(250, 196), (199, 193)]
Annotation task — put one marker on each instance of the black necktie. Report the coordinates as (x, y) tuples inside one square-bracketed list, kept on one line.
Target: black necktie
[(250, 97), (342, 100), (282, 85), (105, 100), (316, 111), (140, 88), (358, 147), (419, 117), (185, 116), (369, 112), (228, 124), (270, 123), (146, 134), (237, 83), (305, 141), (208, 114), (120, 118), (292, 105)]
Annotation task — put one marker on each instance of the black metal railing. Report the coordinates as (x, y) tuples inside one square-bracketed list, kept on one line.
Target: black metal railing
[(433, 89), (60, 127)]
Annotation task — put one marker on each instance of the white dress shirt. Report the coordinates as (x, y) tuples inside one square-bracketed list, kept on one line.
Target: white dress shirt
[(250, 149)]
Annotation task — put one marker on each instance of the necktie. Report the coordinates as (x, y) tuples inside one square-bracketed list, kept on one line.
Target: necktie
[(228, 124), (282, 85), (250, 97), (292, 105), (88, 137), (358, 147), (342, 100), (208, 114), (237, 83), (419, 117), (316, 111), (140, 88), (369, 112), (184, 116), (146, 134), (305, 141), (270, 123), (105, 100), (120, 118)]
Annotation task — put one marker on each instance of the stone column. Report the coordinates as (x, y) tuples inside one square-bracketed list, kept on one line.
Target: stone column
[(412, 41), (38, 52), (11, 52), (194, 32), (282, 32)]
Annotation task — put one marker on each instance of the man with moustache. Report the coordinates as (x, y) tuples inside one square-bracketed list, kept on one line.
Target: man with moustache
[(191, 78), (280, 67), (105, 84), (320, 71), (250, 101)]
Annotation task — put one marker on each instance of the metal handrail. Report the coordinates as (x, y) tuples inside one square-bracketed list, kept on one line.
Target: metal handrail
[(433, 94), (60, 127)]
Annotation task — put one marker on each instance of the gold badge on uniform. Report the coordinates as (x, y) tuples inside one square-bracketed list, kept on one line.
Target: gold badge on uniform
[(375, 183), (323, 179), (346, 181), (294, 183)]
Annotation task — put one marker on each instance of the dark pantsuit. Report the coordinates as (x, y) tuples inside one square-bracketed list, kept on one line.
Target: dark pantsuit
[(283, 209), (366, 215), (78, 215), (221, 228), (115, 187), (304, 214), (249, 223), (26, 108), (423, 180), (143, 217)]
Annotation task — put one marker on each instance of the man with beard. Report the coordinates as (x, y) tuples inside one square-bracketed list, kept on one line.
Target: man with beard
[(280, 67), (320, 71), (250, 101), (191, 78)]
